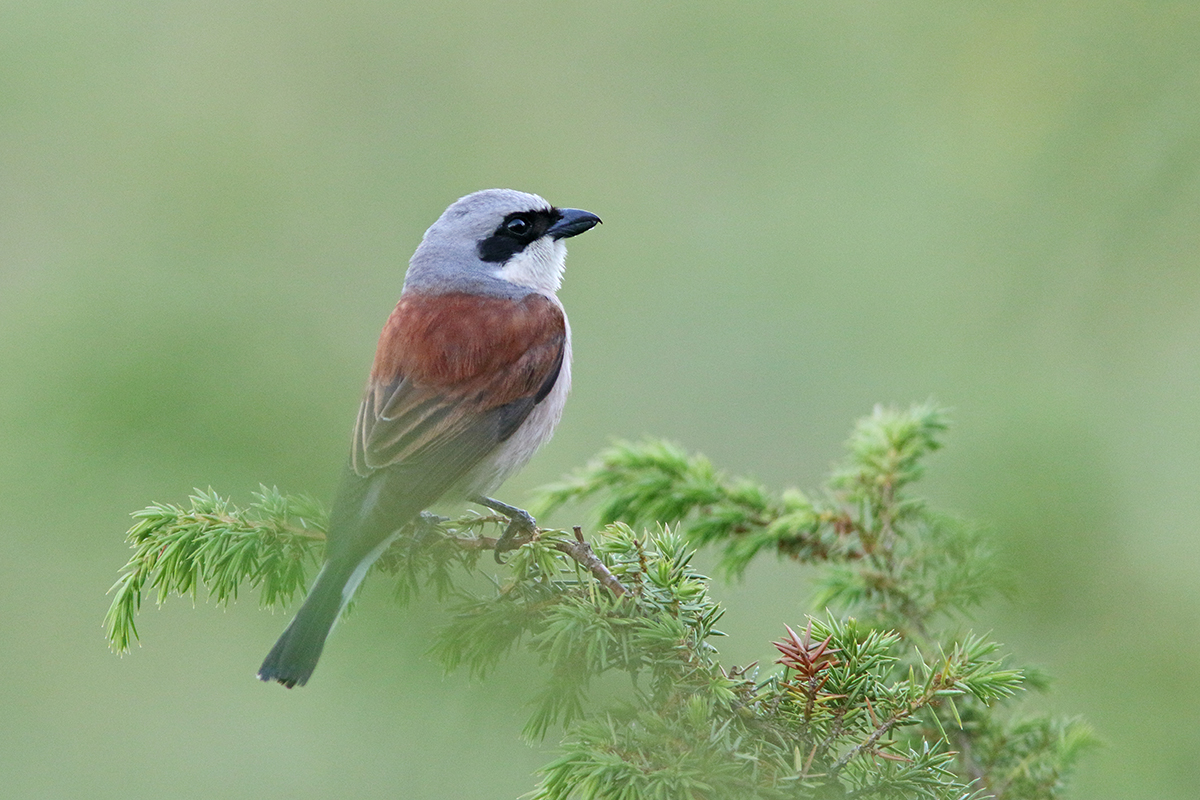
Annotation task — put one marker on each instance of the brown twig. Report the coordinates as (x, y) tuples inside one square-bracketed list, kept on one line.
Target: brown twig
[(582, 553), (869, 744), (901, 713), (578, 550)]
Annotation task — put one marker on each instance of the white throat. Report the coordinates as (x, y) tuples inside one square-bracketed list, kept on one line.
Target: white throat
[(539, 266)]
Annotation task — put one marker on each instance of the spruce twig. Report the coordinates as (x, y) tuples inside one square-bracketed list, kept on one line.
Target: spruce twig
[(853, 709)]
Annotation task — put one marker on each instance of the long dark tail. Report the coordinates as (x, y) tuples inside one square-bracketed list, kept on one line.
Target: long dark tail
[(294, 657)]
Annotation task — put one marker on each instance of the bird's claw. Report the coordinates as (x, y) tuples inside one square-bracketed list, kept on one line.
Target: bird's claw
[(519, 521), (516, 526)]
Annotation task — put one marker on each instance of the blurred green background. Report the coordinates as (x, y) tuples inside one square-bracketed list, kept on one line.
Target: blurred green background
[(206, 211)]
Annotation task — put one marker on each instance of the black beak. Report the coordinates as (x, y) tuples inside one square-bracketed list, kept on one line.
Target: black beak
[(572, 222)]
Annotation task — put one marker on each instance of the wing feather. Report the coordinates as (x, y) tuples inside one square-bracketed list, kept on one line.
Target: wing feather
[(454, 376)]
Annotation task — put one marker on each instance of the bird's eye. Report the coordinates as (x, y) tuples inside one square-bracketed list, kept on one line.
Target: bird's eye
[(518, 226)]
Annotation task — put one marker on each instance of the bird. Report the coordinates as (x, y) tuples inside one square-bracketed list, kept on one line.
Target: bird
[(469, 379)]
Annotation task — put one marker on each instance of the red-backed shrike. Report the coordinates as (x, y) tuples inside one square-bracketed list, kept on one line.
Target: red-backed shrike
[(470, 377)]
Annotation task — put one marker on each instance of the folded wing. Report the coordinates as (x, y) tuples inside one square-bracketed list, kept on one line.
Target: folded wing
[(454, 376)]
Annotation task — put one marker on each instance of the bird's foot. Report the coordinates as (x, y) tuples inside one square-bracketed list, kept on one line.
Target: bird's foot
[(519, 521)]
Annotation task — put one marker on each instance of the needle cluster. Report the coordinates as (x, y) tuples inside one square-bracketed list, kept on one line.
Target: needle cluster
[(883, 693)]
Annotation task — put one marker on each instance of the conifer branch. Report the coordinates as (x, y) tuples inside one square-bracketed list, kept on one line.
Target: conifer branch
[(852, 707), (582, 553)]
